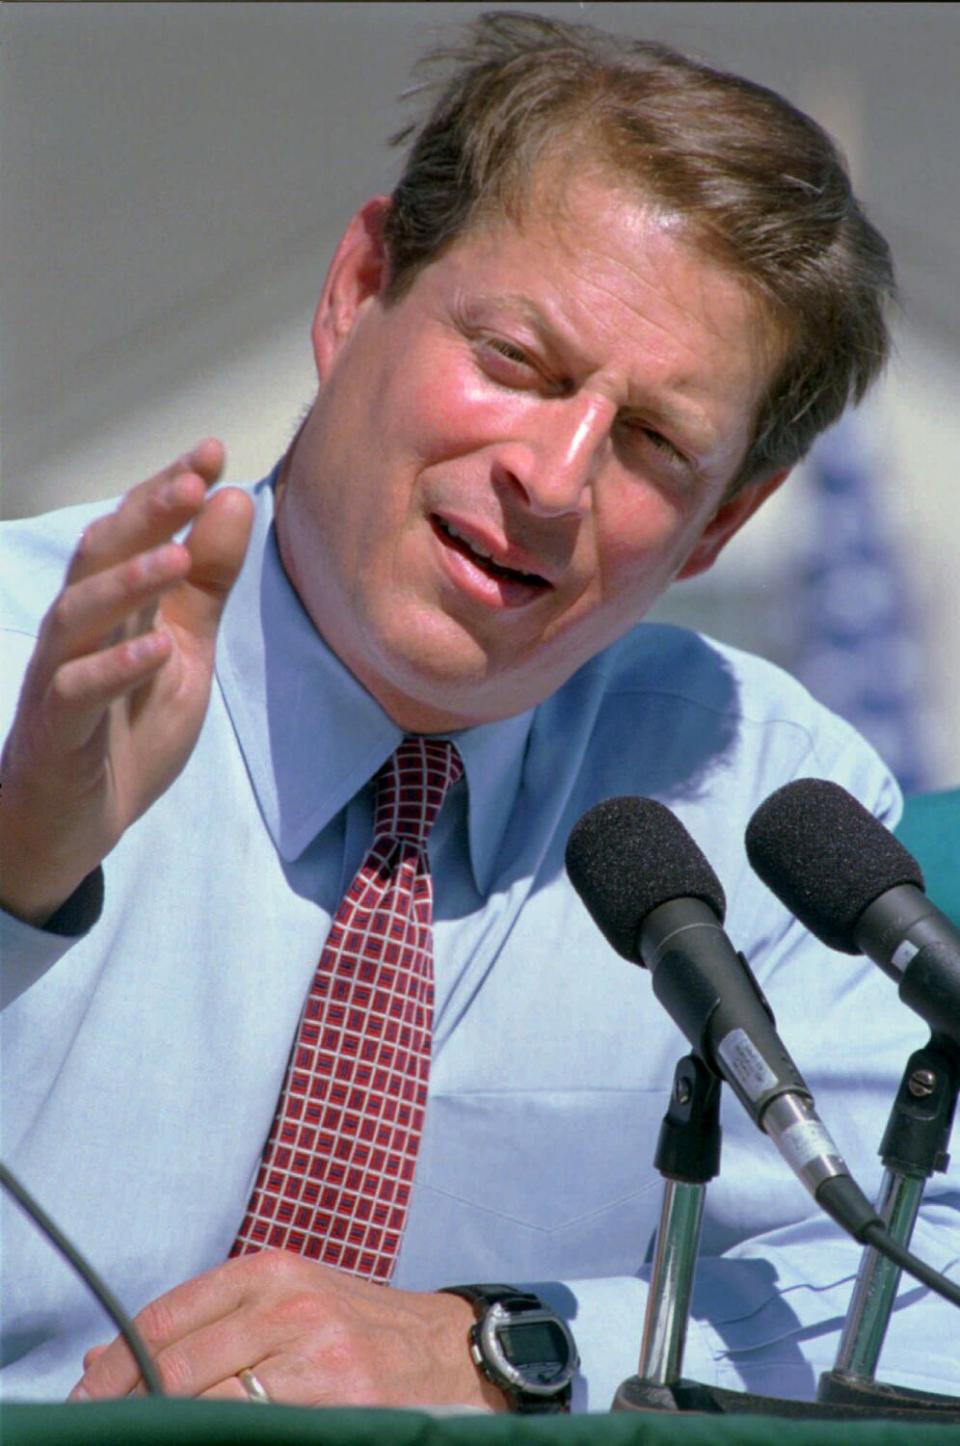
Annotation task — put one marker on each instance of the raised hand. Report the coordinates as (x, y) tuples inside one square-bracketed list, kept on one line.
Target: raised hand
[(118, 685)]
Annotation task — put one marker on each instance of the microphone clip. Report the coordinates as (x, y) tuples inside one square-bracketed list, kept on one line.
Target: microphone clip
[(688, 1147)]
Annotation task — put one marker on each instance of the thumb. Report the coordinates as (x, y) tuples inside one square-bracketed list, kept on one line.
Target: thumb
[(217, 545)]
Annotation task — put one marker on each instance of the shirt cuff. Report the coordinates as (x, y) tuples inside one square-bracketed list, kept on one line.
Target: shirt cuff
[(28, 952), (81, 911)]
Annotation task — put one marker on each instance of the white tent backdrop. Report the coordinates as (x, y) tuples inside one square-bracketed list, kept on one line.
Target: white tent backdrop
[(175, 177)]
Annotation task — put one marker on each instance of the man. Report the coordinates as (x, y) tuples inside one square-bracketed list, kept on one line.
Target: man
[(613, 298)]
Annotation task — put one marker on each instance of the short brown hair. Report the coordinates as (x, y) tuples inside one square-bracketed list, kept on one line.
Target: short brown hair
[(761, 186)]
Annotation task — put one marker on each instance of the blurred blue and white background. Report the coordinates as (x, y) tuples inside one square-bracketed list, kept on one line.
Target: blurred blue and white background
[(176, 175)]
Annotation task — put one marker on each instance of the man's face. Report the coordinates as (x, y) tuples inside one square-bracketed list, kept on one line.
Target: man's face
[(506, 467)]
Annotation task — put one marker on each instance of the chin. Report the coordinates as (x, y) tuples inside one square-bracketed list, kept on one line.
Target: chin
[(441, 695)]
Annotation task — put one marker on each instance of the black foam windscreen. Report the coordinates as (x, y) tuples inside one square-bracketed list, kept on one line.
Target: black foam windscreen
[(628, 855), (826, 857)]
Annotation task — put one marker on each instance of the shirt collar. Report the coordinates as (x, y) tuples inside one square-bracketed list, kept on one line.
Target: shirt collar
[(311, 735)]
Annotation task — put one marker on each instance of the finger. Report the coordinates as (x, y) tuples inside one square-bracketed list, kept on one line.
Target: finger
[(279, 1384), (165, 1324), (82, 688), (91, 1355), (217, 545), (230, 1390), (217, 1353), (151, 512), (330, 1375), (87, 612)]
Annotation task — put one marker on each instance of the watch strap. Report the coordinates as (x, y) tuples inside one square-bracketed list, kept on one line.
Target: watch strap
[(482, 1296)]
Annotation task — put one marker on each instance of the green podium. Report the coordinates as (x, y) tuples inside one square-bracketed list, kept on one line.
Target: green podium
[(208, 1423)]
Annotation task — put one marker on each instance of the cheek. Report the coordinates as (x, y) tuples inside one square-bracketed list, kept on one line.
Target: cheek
[(638, 526), (441, 408)]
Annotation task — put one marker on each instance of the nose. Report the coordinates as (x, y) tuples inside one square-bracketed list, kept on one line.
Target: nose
[(558, 454)]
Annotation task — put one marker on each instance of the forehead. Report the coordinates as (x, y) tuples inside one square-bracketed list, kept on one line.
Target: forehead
[(625, 291), (576, 210)]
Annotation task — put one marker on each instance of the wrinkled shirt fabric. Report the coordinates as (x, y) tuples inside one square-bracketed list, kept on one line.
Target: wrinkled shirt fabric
[(142, 1061)]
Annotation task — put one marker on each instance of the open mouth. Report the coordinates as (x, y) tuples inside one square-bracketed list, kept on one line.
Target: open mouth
[(483, 560)]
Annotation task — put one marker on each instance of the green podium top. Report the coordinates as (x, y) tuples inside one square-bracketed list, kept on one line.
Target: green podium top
[(210, 1423)]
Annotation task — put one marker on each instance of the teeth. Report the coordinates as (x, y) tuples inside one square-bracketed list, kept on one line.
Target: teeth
[(472, 545), (488, 557)]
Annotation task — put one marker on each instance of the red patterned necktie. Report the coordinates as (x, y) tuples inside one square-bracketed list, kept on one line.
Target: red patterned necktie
[(336, 1173)]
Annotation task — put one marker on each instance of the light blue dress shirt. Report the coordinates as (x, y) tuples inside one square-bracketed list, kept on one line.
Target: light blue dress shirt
[(142, 1062)]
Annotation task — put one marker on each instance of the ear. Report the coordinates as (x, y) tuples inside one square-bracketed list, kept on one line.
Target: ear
[(358, 272), (727, 521)]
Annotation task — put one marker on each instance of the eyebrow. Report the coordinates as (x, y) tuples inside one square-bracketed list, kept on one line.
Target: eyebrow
[(655, 408)]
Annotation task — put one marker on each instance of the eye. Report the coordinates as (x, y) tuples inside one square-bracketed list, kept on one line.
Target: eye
[(506, 362), (662, 443), (509, 351), (641, 431)]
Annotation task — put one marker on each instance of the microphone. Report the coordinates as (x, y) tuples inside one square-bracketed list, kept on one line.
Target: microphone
[(658, 902), (853, 885)]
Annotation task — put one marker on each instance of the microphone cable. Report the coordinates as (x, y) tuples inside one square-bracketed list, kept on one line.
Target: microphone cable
[(877, 1236), (88, 1275)]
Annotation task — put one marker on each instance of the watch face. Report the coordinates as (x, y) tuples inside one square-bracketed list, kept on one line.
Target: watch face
[(539, 1346)]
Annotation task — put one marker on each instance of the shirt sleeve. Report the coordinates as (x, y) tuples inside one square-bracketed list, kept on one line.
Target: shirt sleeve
[(28, 952)]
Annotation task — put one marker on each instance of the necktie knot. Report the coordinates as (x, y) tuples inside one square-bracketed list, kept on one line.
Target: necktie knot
[(411, 786)]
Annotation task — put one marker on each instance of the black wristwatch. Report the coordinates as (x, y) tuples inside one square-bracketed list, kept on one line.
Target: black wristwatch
[(521, 1346)]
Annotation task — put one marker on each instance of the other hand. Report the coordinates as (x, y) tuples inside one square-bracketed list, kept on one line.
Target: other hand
[(314, 1336)]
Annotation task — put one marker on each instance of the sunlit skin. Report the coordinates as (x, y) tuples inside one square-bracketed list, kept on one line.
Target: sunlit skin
[(571, 395)]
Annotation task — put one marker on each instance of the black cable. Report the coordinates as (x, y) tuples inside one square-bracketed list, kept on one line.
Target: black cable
[(877, 1236), (89, 1276)]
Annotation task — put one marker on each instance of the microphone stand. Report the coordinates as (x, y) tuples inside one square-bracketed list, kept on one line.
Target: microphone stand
[(914, 1146), (688, 1158)]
